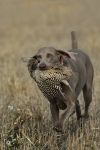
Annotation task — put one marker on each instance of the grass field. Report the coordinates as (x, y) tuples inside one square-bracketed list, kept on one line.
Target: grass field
[(25, 26)]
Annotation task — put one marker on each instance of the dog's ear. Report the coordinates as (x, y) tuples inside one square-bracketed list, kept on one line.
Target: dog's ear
[(66, 54)]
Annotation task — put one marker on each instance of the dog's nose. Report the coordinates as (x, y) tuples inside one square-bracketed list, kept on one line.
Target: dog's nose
[(42, 66)]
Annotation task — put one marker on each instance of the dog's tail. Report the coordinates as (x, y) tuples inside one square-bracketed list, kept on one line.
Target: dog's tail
[(74, 40)]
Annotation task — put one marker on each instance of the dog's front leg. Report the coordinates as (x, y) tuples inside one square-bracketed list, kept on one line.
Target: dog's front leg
[(69, 98), (67, 113), (55, 117)]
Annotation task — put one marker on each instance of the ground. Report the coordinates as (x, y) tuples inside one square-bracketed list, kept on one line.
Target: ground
[(25, 26)]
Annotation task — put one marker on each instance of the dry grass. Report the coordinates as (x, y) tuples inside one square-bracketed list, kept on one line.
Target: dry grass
[(25, 26)]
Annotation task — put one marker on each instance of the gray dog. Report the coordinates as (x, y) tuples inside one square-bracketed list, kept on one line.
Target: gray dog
[(66, 97)]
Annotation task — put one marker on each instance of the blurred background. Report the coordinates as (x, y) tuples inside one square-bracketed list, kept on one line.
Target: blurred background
[(25, 26)]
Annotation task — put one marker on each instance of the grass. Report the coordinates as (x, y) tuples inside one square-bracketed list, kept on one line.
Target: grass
[(25, 26)]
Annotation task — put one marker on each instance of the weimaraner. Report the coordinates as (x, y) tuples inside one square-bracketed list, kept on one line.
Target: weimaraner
[(81, 80)]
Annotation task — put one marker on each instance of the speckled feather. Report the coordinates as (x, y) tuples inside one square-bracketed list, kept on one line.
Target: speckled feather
[(49, 80)]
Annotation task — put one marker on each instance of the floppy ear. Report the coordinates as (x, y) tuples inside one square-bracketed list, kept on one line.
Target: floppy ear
[(63, 53), (66, 54)]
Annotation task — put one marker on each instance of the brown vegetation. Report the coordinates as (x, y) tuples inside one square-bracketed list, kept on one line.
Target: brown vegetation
[(25, 26)]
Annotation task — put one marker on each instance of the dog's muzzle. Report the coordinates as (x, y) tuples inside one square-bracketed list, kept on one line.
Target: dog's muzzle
[(42, 66)]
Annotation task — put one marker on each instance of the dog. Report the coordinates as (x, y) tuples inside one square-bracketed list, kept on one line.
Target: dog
[(81, 80)]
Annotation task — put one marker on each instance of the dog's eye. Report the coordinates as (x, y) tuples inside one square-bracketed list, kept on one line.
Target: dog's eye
[(49, 55)]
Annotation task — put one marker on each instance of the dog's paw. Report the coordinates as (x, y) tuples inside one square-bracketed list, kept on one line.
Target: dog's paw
[(83, 120)]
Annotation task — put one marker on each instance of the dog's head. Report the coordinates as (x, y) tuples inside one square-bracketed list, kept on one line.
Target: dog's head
[(48, 57)]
